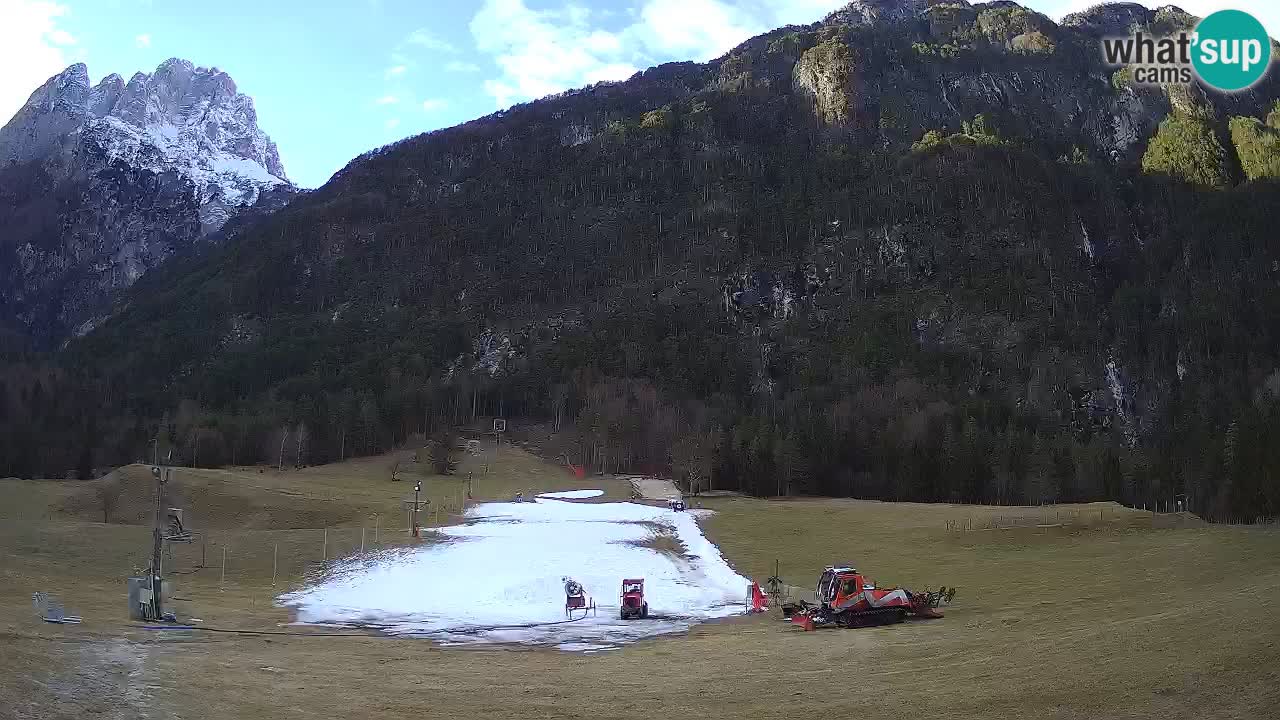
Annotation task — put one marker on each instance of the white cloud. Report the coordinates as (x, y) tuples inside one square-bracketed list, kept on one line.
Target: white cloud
[(395, 70), (387, 100), (696, 29), (458, 66), (799, 12), (544, 51), (392, 123), (434, 104), (423, 37), (143, 40), (31, 50)]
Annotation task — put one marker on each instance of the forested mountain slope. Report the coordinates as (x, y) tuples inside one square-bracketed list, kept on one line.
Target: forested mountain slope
[(918, 253)]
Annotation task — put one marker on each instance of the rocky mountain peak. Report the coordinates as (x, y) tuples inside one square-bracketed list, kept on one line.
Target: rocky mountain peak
[(69, 88), (182, 117), (105, 95), (75, 77), (1109, 18), (136, 171), (870, 12)]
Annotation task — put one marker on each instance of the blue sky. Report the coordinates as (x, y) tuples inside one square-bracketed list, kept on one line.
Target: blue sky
[(333, 79)]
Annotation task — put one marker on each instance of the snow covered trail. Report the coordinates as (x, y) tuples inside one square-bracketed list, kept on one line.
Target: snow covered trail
[(571, 494), (497, 578)]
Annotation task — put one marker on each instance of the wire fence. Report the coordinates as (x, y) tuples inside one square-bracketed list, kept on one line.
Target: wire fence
[(279, 558), (284, 557), (1158, 516), (1039, 517)]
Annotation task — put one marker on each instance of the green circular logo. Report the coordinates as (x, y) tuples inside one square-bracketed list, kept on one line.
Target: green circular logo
[(1231, 50)]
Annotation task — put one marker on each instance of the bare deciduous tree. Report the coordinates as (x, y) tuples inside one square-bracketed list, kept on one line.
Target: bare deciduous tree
[(284, 437), (302, 439), (441, 448), (108, 496)]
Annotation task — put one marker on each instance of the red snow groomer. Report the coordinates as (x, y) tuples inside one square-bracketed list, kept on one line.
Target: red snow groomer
[(848, 599), (575, 599), (632, 599)]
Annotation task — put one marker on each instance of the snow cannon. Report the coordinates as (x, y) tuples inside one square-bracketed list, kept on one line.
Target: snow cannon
[(576, 599), (848, 599), (631, 601)]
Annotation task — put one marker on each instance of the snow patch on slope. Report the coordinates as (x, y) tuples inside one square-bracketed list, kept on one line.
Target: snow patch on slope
[(219, 176), (571, 494), (497, 579)]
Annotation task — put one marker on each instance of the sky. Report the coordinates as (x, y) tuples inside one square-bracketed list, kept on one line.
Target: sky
[(332, 79)]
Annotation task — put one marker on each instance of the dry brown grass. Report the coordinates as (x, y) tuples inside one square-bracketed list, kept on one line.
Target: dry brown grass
[(663, 540), (1111, 620)]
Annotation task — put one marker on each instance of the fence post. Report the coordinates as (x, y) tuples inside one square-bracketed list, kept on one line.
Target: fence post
[(361, 541), (324, 554), (375, 528), (223, 579), (275, 561)]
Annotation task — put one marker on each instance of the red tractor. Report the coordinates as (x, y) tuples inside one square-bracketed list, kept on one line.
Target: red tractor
[(632, 600), (848, 599)]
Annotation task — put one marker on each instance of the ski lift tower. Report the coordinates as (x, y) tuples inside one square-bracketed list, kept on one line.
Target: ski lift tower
[(162, 476)]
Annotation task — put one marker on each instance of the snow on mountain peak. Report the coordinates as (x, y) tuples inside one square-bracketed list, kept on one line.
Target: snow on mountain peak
[(182, 118)]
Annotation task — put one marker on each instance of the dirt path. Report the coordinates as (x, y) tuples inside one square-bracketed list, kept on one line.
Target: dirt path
[(651, 488)]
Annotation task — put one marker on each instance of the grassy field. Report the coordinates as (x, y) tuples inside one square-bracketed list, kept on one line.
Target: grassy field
[(1100, 615)]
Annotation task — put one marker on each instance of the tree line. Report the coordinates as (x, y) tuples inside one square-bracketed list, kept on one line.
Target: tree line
[(690, 273)]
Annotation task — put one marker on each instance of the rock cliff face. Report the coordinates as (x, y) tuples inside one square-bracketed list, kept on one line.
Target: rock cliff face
[(99, 183), (825, 72)]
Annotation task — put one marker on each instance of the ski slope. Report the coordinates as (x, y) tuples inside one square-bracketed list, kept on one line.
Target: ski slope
[(497, 578), (572, 494)]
